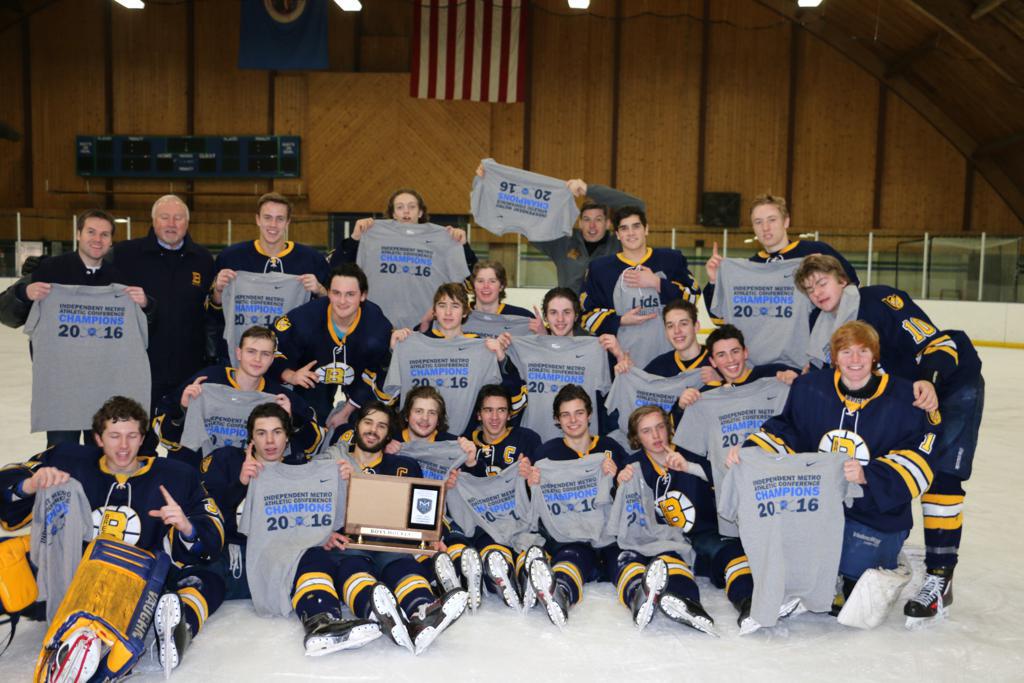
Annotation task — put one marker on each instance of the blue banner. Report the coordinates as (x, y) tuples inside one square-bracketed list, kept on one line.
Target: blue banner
[(283, 35)]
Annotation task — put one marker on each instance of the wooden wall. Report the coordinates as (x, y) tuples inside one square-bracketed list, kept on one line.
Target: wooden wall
[(662, 102)]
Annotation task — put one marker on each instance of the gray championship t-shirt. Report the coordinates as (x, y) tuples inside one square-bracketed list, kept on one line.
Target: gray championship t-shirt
[(258, 299), (457, 368), (217, 417), (637, 388), (493, 324), (762, 300), (789, 509), (645, 341), (634, 523), (288, 509), (547, 364), (499, 505), (723, 418), (436, 458), (405, 263), (88, 344), (509, 199), (61, 523), (573, 500)]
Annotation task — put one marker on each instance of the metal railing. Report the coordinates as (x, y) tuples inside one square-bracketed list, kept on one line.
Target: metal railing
[(976, 267)]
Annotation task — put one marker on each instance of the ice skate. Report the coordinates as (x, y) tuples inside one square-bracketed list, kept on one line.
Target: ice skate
[(526, 591), (931, 604), (427, 623), (389, 616), (646, 594), (497, 568), (172, 634), (326, 633), (687, 612), (549, 593), (472, 573)]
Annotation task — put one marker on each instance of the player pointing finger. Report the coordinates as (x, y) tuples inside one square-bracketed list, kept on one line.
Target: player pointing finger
[(712, 264), (251, 468), (192, 391), (172, 514)]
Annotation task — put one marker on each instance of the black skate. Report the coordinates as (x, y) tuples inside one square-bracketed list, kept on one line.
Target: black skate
[(497, 568), (389, 616), (172, 634), (746, 624), (646, 593), (529, 596), (326, 633), (687, 612), (554, 597), (472, 573), (932, 601), (427, 622)]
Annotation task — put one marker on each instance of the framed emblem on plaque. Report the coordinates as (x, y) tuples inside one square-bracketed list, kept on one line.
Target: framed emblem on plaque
[(394, 514)]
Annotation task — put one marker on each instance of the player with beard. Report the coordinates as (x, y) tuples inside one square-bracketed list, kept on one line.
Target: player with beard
[(389, 585)]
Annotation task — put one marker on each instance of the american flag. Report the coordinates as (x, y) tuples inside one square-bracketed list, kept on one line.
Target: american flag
[(469, 50)]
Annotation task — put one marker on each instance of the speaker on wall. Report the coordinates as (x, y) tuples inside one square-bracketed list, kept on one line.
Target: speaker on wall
[(720, 209)]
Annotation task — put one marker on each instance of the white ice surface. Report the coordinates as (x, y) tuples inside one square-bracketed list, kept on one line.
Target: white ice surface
[(982, 640)]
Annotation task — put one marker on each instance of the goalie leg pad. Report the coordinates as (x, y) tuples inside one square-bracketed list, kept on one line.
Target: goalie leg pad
[(114, 595)]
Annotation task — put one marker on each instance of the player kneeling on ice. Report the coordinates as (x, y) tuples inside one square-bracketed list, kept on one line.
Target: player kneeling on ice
[(278, 517), (390, 586), (570, 481), (869, 416), (660, 498), (136, 507)]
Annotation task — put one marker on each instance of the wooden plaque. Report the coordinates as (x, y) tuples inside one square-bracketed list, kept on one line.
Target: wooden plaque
[(394, 514)]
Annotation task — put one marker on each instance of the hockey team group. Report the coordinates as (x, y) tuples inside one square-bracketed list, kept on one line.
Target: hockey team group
[(204, 418)]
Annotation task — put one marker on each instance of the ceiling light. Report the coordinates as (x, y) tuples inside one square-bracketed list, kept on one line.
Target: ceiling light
[(349, 5), (808, 3), (131, 4), (579, 4)]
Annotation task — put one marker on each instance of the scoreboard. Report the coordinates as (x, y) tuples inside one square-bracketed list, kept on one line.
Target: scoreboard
[(162, 156)]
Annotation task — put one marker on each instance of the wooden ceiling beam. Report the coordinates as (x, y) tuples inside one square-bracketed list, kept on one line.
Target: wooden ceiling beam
[(989, 41), (996, 144), (855, 50), (985, 7)]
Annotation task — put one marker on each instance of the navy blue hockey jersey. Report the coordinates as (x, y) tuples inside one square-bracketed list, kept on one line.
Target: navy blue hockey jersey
[(493, 457), (891, 438), (355, 362), (121, 503)]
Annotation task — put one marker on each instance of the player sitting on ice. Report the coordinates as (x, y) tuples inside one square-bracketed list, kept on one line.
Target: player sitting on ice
[(859, 412), (497, 446), (555, 574), (682, 499), (315, 601), (143, 501), (389, 585)]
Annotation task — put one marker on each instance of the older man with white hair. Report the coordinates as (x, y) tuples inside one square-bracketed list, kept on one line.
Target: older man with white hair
[(177, 273)]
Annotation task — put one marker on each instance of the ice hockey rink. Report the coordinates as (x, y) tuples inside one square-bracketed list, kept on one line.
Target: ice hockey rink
[(982, 640)]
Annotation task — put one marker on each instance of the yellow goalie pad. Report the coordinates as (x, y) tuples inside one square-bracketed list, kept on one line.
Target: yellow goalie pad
[(17, 584), (114, 593)]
